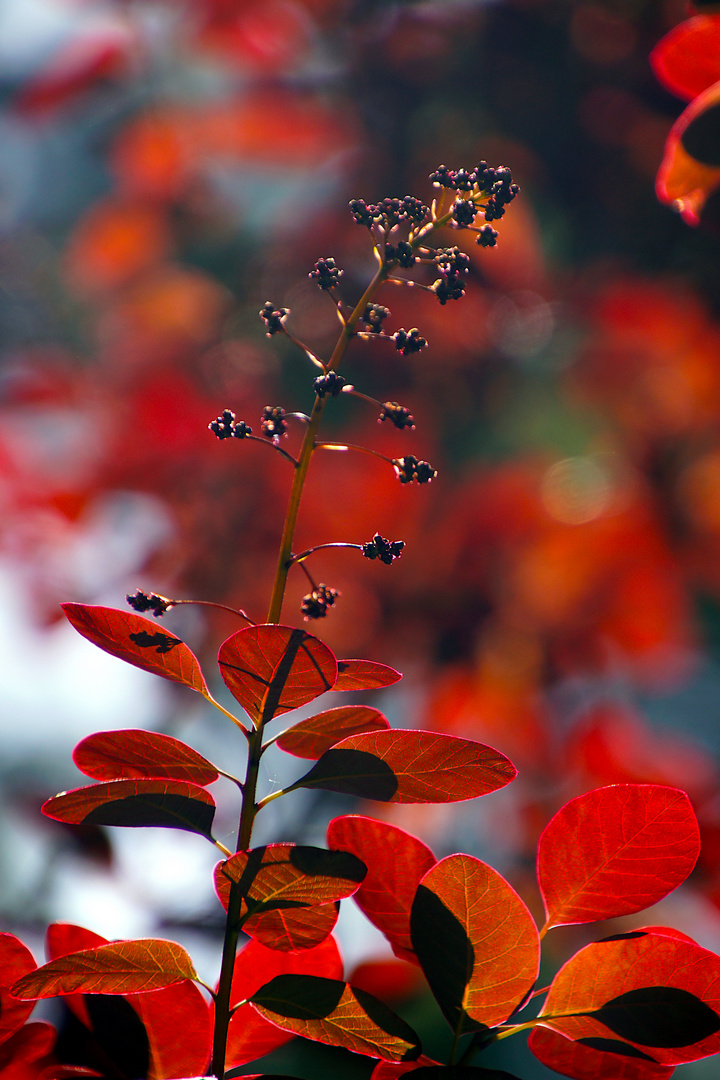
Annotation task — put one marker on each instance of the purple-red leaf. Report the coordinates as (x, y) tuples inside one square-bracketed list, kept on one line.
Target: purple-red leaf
[(330, 1011), (364, 675), (410, 767), (168, 804), (28, 1044), (658, 994), (476, 942), (133, 753), (312, 737), (138, 641), (272, 669), (293, 929), (588, 1062), (396, 862), (122, 967), (16, 960), (249, 1035), (615, 851)]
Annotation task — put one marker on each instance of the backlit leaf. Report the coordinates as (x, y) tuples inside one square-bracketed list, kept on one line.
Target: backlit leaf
[(687, 60), (292, 929), (29, 1043), (476, 942), (615, 851), (312, 737), (272, 669), (138, 641), (122, 967), (330, 1011), (169, 804), (462, 1072), (660, 994), (396, 862), (64, 938), (690, 169), (288, 875), (129, 754), (391, 1070), (249, 1035), (16, 960), (590, 1062), (410, 767), (364, 675)]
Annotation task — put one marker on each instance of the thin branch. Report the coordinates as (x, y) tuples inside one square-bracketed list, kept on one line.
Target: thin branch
[(353, 446), (273, 445), (318, 547)]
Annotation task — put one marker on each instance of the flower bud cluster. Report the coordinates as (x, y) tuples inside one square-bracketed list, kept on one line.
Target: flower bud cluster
[(273, 423), (227, 427), (332, 384), (408, 468), (373, 317), (326, 274), (314, 604), (384, 550), (401, 253), (389, 212), (140, 601), (398, 414), (274, 318), (409, 341)]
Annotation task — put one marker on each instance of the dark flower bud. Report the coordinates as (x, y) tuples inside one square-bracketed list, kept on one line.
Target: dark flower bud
[(326, 274), (384, 550), (409, 341), (227, 427), (332, 383), (314, 604), (274, 318), (464, 212), (373, 317), (273, 423), (487, 237), (449, 287), (408, 468), (399, 415), (140, 601)]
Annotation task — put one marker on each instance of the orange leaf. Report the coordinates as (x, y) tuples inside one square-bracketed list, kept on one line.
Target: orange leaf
[(168, 804), (476, 942), (129, 754), (272, 669), (123, 967), (615, 851), (589, 1063), (312, 737), (396, 862), (364, 675), (410, 767), (293, 929), (138, 641)]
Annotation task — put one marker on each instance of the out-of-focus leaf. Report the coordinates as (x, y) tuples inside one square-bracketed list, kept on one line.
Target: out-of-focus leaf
[(138, 641), (249, 1035), (330, 1011), (29, 1043), (687, 60), (391, 1070), (168, 804), (615, 851), (659, 994), (410, 767), (690, 169), (272, 669), (462, 1072), (292, 929), (312, 737), (122, 967), (364, 675), (589, 1062), (16, 960), (133, 753), (396, 862), (476, 942)]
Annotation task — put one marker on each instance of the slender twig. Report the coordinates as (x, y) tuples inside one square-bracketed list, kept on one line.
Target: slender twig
[(220, 607), (295, 559), (273, 445), (353, 446)]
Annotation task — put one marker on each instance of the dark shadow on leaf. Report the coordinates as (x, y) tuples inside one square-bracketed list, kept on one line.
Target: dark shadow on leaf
[(313, 861), (614, 1046), (389, 1021), (302, 997), (662, 1016), (121, 1034), (155, 809), (352, 772), (160, 642), (446, 955)]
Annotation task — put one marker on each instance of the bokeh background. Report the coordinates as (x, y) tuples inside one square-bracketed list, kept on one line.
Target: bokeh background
[(167, 167)]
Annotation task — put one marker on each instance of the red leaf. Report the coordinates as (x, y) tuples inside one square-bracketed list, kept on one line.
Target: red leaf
[(122, 967), (332, 1012), (169, 804), (391, 1070), (687, 60), (364, 675), (272, 669), (294, 929), (615, 851), (396, 862), (16, 960), (64, 938), (391, 980), (586, 1063), (648, 985), (28, 1044), (249, 1035), (409, 767), (138, 641), (132, 753), (476, 941), (689, 171), (312, 737)]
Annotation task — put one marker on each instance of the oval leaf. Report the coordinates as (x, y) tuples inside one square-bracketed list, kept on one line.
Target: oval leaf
[(168, 804), (312, 737), (659, 994), (332, 1012), (272, 669), (16, 960), (288, 875), (410, 767), (615, 851), (123, 967), (293, 929), (133, 753), (138, 641), (30, 1043), (687, 60), (476, 942), (249, 1035), (396, 862), (178, 1023), (364, 675), (589, 1061)]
